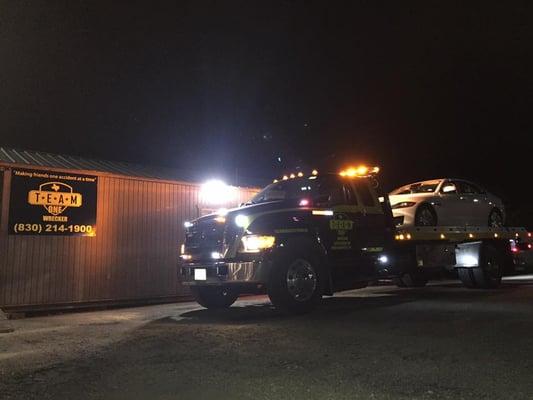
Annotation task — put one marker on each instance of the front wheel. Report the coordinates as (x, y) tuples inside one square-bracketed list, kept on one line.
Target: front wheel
[(425, 216), (214, 297), (295, 284)]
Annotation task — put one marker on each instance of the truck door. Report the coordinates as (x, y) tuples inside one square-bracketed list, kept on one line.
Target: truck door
[(372, 232), (337, 229)]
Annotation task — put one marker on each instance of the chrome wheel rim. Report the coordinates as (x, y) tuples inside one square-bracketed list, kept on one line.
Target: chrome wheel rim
[(301, 280)]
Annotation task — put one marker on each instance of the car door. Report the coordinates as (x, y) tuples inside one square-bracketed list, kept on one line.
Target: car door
[(474, 209), (450, 210)]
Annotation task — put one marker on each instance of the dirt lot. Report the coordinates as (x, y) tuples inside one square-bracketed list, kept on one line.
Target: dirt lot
[(440, 342)]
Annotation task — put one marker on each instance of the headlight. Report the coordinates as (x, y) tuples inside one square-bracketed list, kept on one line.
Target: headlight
[(256, 243), (242, 221), (403, 204)]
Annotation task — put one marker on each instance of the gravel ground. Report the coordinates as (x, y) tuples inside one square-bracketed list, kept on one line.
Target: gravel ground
[(439, 342)]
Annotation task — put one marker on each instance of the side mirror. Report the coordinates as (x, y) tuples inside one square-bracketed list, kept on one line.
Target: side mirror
[(449, 189)]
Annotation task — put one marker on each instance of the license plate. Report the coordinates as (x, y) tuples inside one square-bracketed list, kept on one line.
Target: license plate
[(200, 274)]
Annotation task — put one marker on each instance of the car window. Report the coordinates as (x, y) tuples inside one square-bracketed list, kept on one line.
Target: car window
[(330, 193), (422, 187), (468, 188), (350, 195), (364, 193)]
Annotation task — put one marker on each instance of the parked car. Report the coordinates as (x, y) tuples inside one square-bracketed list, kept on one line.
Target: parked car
[(446, 202)]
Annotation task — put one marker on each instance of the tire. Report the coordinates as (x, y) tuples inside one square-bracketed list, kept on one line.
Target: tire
[(467, 277), (295, 284), (425, 216), (411, 280), (489, 274), (495, 219), (214, 297)]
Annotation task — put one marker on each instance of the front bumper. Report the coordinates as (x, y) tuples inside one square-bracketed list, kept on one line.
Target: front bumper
[(223, 273), (404, 216)]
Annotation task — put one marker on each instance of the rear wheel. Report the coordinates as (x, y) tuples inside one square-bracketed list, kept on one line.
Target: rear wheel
[(467, 277), (425, 216), (295, 284), (489, 273), (214, 297)]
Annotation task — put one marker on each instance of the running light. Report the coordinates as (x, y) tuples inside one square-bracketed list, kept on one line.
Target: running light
[(187, 224)]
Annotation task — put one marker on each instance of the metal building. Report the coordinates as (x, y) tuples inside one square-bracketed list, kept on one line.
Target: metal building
[(75, 231)]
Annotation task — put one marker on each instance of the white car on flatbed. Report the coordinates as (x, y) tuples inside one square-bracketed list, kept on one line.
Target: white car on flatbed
[(446, 202)]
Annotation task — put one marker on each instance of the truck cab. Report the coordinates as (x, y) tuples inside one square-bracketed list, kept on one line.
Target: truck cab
[(298, 239)]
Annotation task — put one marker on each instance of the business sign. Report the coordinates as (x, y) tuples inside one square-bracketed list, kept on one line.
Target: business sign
[(52, 203)]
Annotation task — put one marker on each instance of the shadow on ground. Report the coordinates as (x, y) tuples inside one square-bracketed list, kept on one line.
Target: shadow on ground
[(345, 303)]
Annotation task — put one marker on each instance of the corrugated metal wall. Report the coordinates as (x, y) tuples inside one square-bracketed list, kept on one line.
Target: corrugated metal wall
[(133, 255)]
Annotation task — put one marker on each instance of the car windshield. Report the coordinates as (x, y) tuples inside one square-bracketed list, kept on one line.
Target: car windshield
[(422, 187), (289, 189)]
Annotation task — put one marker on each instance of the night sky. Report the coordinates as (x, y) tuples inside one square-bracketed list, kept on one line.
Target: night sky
[(423, 89)]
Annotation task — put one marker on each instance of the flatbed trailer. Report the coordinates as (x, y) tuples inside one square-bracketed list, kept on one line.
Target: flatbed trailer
[(479, 256)]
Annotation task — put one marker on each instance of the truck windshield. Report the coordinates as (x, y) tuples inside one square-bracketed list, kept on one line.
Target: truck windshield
[(291, 189), (422, 187)]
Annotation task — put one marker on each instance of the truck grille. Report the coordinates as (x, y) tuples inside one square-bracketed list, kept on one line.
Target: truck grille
[(203, 238)]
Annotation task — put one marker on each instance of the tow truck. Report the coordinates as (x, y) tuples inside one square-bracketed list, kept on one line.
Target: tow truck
[(306, 236)]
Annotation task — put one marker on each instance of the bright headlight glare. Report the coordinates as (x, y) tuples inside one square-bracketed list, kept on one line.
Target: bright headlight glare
[(403, 204), (256, 243), (241, 221)]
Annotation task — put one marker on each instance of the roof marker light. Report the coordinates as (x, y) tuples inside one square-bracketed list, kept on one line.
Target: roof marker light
[(275, 181), (285, 177), (187, 224), (300, 174), (292, 176), (314, 172), (442, 236), (362, 170)]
